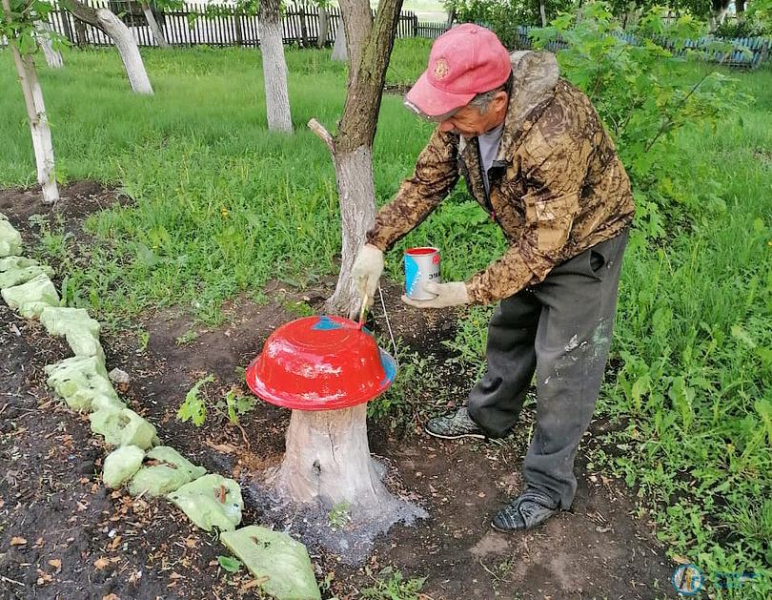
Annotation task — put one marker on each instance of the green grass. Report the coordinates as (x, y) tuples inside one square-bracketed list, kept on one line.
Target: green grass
[(222, 206), (695, 336)]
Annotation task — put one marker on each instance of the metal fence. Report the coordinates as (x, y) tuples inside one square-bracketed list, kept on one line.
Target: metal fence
[(218, 25), (746, 53)]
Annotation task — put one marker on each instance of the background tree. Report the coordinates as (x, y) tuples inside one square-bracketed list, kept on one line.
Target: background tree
[(339, 47), (116, 29), (324, 22), (274, 67), (505, 16), (155, 29), (17, 24), (45, 38), (369, 46)]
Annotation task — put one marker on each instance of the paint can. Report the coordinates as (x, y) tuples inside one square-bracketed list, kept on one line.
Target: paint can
[(422, 265)]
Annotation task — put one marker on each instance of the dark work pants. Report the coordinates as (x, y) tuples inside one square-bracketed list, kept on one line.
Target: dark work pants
[(561, 329)]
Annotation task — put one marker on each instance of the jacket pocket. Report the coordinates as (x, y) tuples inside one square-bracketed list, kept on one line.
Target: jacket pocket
[(551, 221)]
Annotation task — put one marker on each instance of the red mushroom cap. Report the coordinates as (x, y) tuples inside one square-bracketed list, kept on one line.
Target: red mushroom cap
[(320, 363)]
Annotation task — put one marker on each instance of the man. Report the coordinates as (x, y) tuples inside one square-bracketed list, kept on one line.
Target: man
[(536, 157)]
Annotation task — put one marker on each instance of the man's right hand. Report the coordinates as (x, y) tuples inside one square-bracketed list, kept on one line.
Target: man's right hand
[(367, 270)]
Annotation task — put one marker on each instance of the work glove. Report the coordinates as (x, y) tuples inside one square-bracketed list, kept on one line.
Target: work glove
[(367, 270), (448, 294)]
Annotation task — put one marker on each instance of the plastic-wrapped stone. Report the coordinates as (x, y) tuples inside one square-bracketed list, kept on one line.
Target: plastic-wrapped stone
[(80, 379), (16, 262), (123, 427), (164, 471), (80, 330), (274, 556), (102, 401), (121, 465), (13, 277), (10, 239), (32, 297), (211, 501)]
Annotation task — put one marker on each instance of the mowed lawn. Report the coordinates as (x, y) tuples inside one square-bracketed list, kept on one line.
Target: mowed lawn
[(222, 206)]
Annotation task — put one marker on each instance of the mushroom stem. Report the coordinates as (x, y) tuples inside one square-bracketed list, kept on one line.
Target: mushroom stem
[(328, 459)]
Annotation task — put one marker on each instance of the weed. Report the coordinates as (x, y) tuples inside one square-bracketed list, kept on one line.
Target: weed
[(194, 406), (339, 516), (143, 339), (229, 564), (187, 337), (390, 584)]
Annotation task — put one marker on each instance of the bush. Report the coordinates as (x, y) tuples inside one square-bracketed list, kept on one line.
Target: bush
[(503, 17), (643, 105)]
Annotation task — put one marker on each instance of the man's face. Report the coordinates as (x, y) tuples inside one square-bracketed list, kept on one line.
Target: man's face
[(469, 121)]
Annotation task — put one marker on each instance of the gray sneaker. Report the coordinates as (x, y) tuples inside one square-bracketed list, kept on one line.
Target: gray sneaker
[(525, 512), (454, 426)]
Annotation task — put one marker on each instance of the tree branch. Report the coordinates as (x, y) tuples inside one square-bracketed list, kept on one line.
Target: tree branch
[(322, 133), (83, 12)]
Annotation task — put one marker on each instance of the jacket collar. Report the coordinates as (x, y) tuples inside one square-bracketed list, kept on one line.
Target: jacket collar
[(534, 77)]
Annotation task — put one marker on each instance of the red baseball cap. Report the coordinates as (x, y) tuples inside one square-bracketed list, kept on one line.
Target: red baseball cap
[(465, 61)]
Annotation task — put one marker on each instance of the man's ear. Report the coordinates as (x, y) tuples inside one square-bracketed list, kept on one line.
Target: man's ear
[(500, 100)]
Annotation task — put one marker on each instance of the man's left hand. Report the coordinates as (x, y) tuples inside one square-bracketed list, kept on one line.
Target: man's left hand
[(448, 294)]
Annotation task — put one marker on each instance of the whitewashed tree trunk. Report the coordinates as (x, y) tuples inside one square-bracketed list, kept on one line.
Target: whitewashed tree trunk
[(128, 49), (38, 121), (155, 29), (122, 38), (356, 194), (719, 9), (53, 57), (323, 28), (274, 67), (328, 459), (543, 13), (339, 48)]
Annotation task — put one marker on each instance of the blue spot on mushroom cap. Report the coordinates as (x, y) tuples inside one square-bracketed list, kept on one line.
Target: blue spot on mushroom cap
[(325, 323)]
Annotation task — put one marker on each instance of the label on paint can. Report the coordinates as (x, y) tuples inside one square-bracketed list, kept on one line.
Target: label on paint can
[(422, 265)]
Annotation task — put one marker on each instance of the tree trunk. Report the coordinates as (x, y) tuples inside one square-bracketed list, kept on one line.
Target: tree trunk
[(720, 8), (357, 24), (36, 113), (328, 459), (321, 39), (123, 39), (153, 25), (339, 48), (543, 13), (327, 454), (356, 192), (274, 67), (53, 57), (369, 46)]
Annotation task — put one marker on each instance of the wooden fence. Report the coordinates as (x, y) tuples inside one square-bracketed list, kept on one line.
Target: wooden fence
[(219, 25)]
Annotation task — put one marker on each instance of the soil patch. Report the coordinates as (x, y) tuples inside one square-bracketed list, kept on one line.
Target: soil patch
[(82, 541)]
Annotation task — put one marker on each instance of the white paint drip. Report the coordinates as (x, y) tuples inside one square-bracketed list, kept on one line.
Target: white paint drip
[(573, 344)]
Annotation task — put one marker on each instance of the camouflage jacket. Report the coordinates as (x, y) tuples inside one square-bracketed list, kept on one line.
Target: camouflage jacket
[(557, 186)]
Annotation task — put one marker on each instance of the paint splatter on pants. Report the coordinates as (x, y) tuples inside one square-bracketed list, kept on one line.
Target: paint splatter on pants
[(560, 329)]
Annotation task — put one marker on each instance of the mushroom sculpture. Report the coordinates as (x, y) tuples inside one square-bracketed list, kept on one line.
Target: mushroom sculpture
[(326, 369)]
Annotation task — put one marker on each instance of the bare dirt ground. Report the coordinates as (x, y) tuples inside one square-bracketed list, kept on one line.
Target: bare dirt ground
[(63, 535)]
